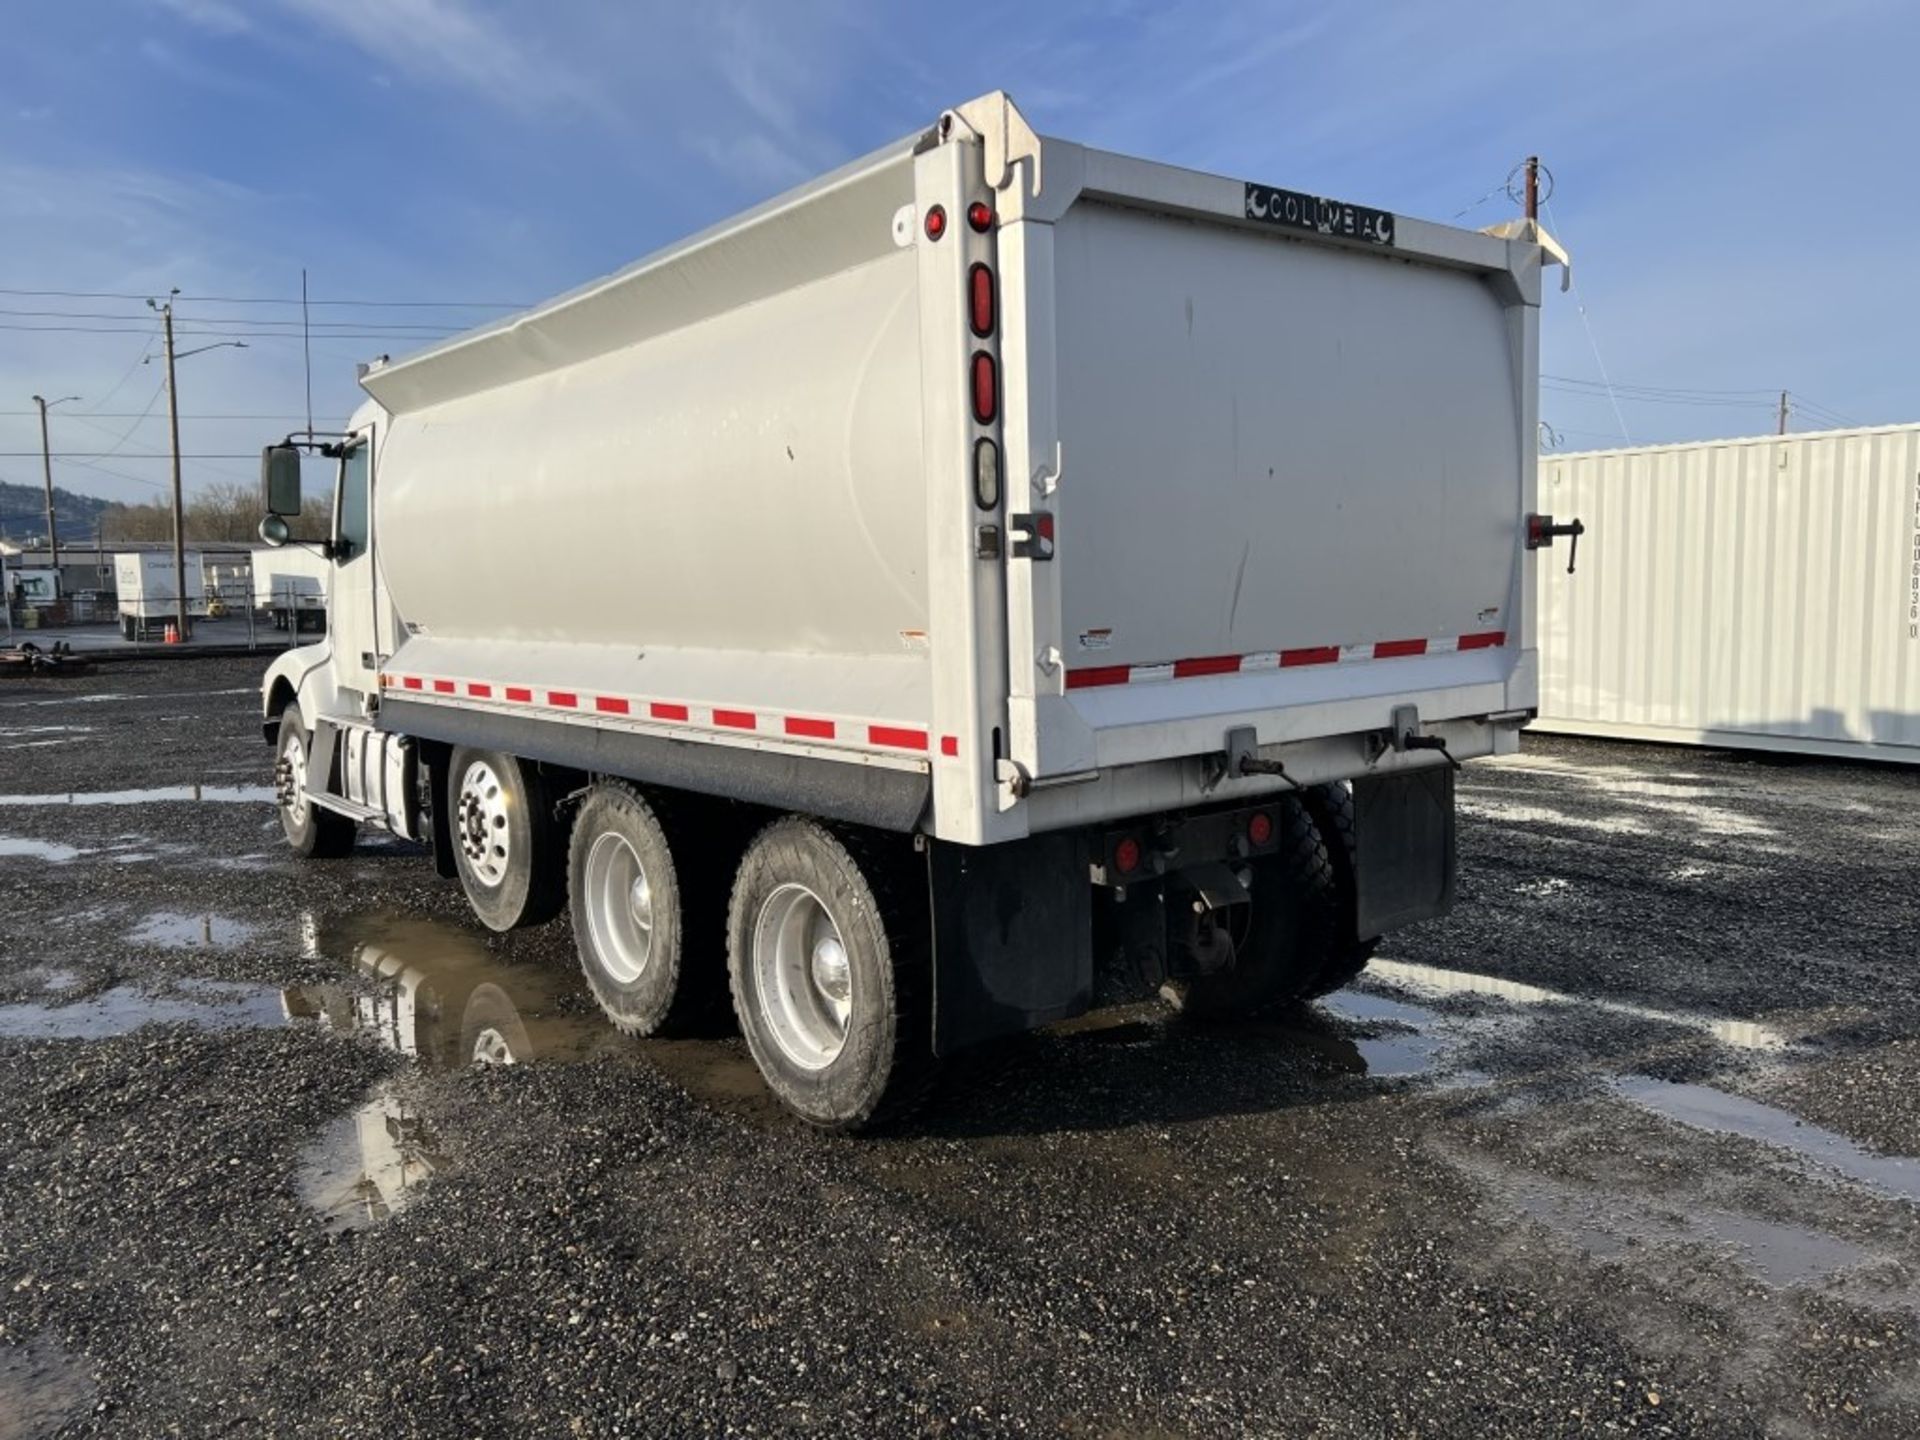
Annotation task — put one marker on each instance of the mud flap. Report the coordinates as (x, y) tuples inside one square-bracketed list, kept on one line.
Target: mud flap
[(1403, 849), (1012, 936)]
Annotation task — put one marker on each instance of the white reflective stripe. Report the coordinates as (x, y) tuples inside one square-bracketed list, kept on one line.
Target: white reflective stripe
[(1264, 660), (1443, 647), (1350, 653), (1139, 674)]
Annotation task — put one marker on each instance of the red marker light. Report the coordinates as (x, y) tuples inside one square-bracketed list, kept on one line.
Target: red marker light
[(1260, 827), (936, 222), (980, 215), (980, 305), (1126, 856), (986, 388)]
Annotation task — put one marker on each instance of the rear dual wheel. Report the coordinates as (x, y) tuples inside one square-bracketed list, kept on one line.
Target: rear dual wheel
[(830, 974)]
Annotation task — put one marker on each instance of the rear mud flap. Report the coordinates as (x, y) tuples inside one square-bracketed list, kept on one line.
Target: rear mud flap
[(1012, 937), (1403, 849)]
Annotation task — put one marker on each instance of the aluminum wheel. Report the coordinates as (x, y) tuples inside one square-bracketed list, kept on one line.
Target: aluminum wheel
[(801, 977), (290, 779), (619, 906), (480, 822)]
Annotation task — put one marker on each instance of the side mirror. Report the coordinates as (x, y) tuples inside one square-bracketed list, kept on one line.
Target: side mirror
[(275, 531), (279, 482)]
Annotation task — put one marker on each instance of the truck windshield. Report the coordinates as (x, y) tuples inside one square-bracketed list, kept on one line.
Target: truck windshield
[(352, 523)]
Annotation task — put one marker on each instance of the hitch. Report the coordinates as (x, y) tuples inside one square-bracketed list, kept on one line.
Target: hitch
[(1541, 533)]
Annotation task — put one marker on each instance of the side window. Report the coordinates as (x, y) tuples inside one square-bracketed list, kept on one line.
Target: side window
[(351, 520)]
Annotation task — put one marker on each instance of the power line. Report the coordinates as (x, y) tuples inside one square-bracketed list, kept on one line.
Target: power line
[(264, 325), (132, 415), (82, 455), (126, 434), (275, 300), (226, 332)]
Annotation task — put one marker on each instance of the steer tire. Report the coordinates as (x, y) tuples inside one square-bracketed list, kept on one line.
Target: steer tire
[(1346, 954), (505, 844), (663, 973), (314, 834), (865, 884), (1280, 954)]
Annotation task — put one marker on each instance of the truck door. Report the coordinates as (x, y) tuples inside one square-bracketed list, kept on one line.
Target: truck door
[(350, 612)]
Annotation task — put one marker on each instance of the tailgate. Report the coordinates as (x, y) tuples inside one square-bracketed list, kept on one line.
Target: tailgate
[(1294, 477)]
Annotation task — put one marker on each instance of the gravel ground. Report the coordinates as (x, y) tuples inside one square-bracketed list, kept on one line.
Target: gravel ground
[(1617, 1147)]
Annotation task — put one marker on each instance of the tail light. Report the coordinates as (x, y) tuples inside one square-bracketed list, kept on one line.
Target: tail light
[(980, 300), (936, 222), (1260, 827), (1126, 856), (986, 388), (980, 216)]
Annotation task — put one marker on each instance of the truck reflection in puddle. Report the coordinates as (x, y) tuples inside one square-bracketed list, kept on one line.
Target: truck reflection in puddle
[(443, 999)]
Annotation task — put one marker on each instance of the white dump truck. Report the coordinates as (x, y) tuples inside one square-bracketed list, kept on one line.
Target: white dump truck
[(996, 577)]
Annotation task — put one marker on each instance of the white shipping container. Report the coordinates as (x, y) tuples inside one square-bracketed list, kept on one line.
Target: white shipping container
[(1761, 593), (148, 586)]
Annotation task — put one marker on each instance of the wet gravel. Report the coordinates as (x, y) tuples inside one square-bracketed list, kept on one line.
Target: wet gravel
[(252, 1184)]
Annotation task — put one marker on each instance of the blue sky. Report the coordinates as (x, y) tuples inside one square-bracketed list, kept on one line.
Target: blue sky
[(1735, 180)]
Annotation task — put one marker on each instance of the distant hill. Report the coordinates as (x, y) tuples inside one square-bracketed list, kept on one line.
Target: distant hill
[(23, 513)]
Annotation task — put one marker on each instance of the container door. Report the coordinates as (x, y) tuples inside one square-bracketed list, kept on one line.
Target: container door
[(350, 613)]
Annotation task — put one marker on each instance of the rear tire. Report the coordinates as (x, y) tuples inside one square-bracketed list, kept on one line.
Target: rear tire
[(634, 916), (505, 842), (314, 834), (1291, 917), (1346, 955), (828, 961)]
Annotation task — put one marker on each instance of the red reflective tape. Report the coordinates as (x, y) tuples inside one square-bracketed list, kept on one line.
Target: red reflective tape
[(1097, 675), (610, 705), (812, 729), (1491, 640), (897, 736), (515, 692), (735, 719), (1206, 665), (412, 682), (1311, 655), (1392, 649), (443, 687), (660, 710), (479, 691), (949, 744), (565, 699)]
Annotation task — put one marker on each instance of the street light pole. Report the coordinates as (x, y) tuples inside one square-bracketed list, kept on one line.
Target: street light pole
[(46, 469), (173, 424)]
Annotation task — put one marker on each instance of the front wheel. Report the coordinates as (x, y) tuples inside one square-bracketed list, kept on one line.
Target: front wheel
[(504, 839), (829, 968), (314, 833)]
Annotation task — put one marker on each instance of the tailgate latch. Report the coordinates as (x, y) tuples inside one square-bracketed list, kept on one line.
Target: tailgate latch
[(1541, 533), (1032, 535)]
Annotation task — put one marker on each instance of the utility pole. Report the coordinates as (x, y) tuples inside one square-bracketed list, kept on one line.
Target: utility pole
[(1783, 412), (1533, 188), (46, 469), (179, 512)]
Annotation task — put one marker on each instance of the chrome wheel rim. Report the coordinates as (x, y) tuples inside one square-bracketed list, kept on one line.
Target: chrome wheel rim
[(291, 781), (480, 821), (803, 977), (490, 1047), (619, 903)]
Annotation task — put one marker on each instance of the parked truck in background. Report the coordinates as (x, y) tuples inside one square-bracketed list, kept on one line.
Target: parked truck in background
[(991, 578), (149, 590), (290, 584)]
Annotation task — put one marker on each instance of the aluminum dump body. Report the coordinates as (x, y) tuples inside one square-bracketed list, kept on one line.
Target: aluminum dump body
[(1281, 450)]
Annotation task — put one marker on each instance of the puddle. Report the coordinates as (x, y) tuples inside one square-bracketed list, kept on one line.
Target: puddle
[(174, 931), (13, 846), (1613, 1225), (43, 1389), (214, 1005), (369, 1164), (1433, 980), (1706, 1108), (199, 794), (1398, 1053)]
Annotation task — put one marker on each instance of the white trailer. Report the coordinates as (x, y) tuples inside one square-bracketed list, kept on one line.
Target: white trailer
[(1761, 593), (149, 592), (991, 560), (290, 584)]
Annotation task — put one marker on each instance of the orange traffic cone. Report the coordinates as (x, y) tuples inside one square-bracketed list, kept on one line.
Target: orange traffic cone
[(172, 636)]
